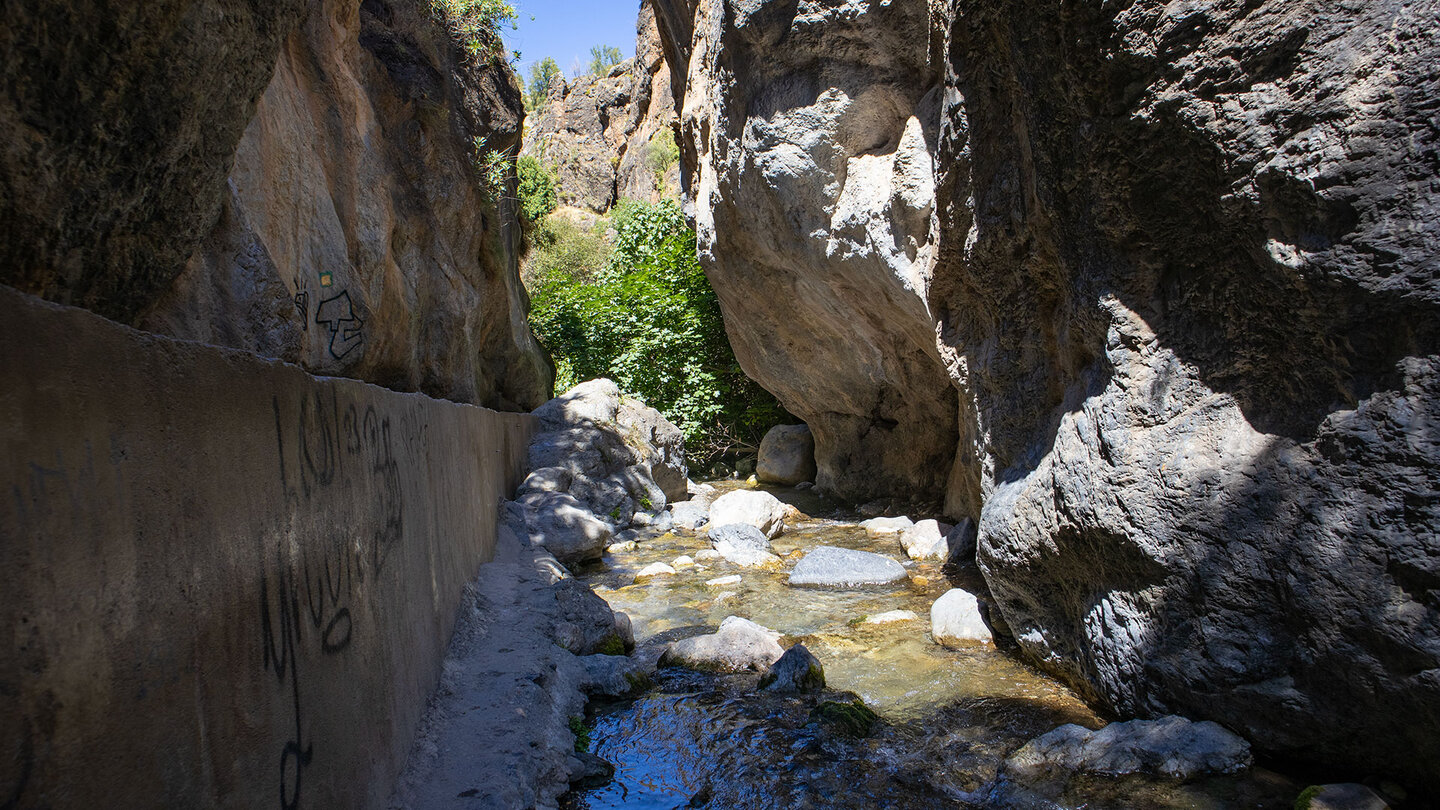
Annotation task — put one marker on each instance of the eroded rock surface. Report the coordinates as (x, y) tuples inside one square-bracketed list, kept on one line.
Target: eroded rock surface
[(621, 459), (602, 135), (355, 235), (787, 456), (118, 130), (1147, 292)]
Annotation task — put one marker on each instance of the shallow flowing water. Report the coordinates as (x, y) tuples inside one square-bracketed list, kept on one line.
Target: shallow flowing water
[(948, 717)]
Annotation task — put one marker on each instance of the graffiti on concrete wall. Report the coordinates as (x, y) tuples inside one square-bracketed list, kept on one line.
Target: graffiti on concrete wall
[(334, 461)]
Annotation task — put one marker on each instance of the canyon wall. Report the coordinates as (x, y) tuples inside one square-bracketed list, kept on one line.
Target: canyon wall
[(1146, 290), (602, 134), (301, 182), (230, 583)]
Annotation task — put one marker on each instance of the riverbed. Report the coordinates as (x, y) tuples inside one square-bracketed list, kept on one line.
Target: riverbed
[(948, 717)]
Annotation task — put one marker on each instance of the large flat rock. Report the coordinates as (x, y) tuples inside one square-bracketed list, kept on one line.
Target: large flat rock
[(831, 567)]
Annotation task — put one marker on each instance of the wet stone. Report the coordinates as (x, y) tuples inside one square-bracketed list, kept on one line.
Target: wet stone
[(798, 670), (738, 645), (742, 544), (828, 566), (1170, 746)]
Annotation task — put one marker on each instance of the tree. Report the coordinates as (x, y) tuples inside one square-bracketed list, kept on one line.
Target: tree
[(543, 75), (604, 57), (650, 321), (537, 188)]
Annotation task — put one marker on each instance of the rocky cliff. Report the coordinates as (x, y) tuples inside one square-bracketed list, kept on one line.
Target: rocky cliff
[(301, 182), (604, 135), (1147, 290)]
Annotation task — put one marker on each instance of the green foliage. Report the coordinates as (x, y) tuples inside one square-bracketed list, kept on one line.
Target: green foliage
[(475, 24), (650, 321), (604, 57), (661, 154), (1307, 797), (543, 75), (537, 188), (581, 730), (494, 168), (612, 645), (562, 253)]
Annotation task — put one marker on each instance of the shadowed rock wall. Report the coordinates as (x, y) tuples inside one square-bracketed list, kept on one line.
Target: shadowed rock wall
[(1146, 289), (230, 584), (118, 122)]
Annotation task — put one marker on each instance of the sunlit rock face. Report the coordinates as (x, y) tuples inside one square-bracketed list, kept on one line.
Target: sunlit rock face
[(1147, 289), (600, 134), (356, 236), (813, 127)]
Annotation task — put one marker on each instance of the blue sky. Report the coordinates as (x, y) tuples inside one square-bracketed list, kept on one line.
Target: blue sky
[(566, 29)]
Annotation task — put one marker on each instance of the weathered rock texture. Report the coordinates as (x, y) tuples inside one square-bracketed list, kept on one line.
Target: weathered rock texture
[(1149, 291), (355, 236), (612, 456), (117, 128), (351, 236), (600, 134)]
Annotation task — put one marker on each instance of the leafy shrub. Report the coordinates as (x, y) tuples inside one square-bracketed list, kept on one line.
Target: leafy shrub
[(561, 253), (537, 188), (650, 321), (494, 168), (475, 24), (661, 154)]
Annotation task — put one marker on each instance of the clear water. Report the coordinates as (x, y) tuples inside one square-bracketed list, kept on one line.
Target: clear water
[(949, 718)]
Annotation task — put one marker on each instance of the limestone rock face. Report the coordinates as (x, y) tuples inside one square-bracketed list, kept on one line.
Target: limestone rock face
[(813, 190), (787, 455), (116, 133), (354, 235), (596, 132), (620, 459), (1146, 292)]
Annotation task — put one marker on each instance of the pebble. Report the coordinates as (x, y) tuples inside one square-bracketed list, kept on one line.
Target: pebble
[(720, 582), (892, 616), (618, 548), (658, 569), (683, 561)]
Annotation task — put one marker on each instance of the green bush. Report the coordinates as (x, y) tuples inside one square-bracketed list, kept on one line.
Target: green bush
[(537, 188), (475, 24), (650, 321), (561, 253), (661, 154)]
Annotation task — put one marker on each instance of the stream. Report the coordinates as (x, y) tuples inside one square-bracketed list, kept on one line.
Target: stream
[(947, 718)]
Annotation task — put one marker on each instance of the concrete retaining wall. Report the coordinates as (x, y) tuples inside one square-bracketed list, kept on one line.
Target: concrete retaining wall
[(228, 583)]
